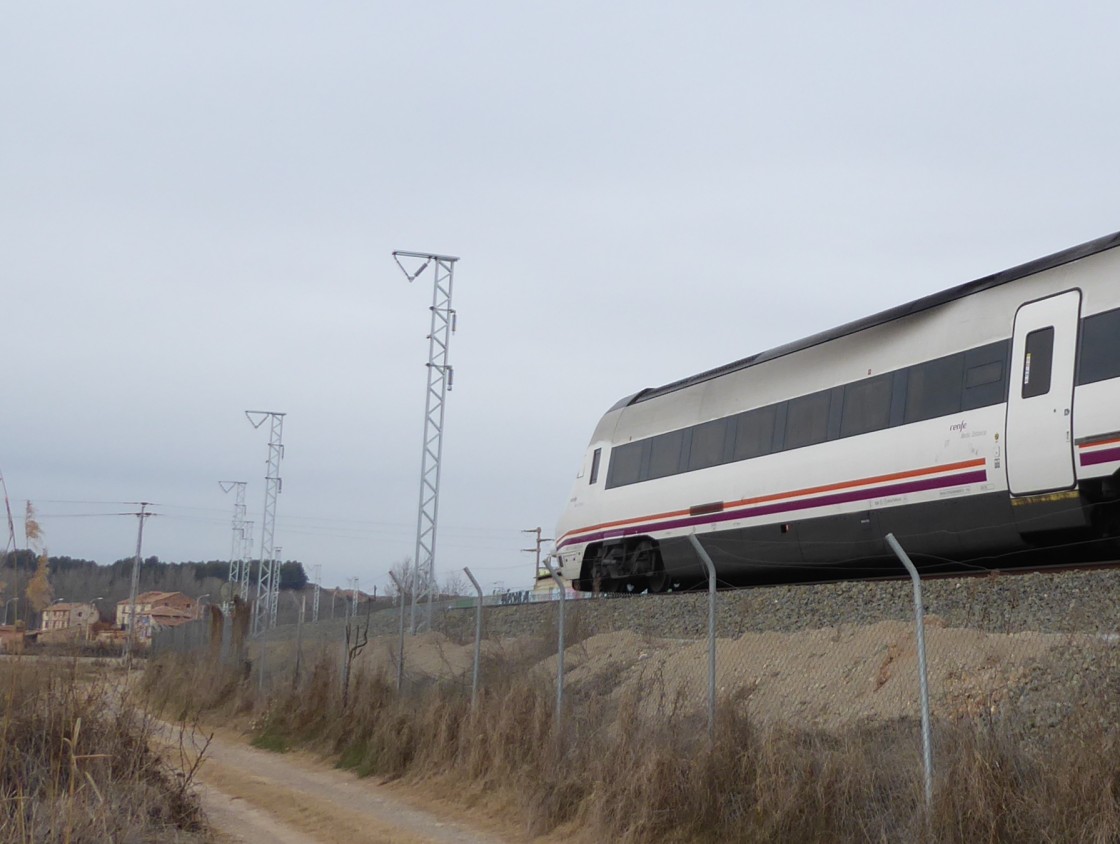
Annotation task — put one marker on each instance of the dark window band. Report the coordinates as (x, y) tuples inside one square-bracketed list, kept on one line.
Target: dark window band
[(962, 381), (1099, 353)]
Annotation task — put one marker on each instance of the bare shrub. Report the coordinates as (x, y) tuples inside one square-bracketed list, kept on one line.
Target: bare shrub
[(76, 765), (999, 782)]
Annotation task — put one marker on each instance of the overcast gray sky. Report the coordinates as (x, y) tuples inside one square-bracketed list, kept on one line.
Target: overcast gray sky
[(198, 202)]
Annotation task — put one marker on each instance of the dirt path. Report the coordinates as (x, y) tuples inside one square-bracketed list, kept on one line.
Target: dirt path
[(254, 795)]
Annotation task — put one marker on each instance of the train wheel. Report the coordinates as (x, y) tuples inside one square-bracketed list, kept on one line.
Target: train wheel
[(647, 560)]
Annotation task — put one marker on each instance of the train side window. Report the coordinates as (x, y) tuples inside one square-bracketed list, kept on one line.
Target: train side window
[(707, 444), (1037, 362), (985, 375), (754, 433), (665, 455), (934, 388), (867, 406), (595, 465), (835, 412), (781, 412), (625, 465), (807, 420), (899, 379), (1099, 358)]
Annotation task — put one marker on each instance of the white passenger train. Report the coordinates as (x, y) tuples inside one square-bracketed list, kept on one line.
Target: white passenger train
[(978, 424)]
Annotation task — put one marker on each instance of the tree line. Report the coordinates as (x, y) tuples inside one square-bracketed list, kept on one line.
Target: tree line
[(30, 581)]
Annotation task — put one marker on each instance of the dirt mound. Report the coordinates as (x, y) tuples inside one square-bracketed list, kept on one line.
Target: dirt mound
[(824, 677), (429, 654), (433, 655)]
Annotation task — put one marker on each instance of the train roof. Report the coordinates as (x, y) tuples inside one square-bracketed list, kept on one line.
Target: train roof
[(1038, 265)]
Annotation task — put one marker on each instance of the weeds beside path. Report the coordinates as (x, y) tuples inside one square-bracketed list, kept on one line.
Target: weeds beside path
[(255, 795), (75, 761)]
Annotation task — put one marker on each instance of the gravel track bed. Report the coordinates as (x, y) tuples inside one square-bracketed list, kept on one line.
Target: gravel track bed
[(1044, 602), (1049, 602)]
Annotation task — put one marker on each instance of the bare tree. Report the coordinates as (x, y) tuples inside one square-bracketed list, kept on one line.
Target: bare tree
[(454, 585), (403, 572), (357, 637)]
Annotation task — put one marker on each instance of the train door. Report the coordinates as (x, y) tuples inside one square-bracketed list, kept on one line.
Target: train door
[(1039, 440)]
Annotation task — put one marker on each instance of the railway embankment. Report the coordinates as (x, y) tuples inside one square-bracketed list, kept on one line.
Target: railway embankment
[(1070, 601), (1055, 601)]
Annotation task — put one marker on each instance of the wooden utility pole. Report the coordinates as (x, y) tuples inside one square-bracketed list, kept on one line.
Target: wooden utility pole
[(540, 542), (128, 645)]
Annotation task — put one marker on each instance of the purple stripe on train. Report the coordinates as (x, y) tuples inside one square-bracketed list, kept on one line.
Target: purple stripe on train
[(1105, 455), (902, 488)]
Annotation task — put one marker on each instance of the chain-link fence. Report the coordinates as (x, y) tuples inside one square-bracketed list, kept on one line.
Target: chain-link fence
[(819, 655), (1032, 652), (817, 692)]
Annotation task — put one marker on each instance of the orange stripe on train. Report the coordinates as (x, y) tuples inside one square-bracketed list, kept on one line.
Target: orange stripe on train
[(816, 490)]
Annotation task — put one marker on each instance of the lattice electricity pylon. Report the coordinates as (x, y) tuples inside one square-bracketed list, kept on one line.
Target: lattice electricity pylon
[(274, 595), (268, 578), (440, 381), (246, 559), (236, 559), (315, 600)]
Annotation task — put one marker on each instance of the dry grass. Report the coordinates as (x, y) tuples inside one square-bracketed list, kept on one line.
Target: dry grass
[(619, 773), (75, 761), (180, 689)]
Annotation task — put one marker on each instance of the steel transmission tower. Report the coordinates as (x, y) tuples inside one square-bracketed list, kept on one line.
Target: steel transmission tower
[(440, 381), (236, 558), (268, 578), (274, 595), (246, 559)]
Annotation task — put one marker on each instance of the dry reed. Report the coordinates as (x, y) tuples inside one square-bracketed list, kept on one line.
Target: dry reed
[(75, 762)]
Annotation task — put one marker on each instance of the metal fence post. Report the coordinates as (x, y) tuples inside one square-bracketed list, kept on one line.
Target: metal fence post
[(710, 566), (919, 623), (560, 643), (400, 646), (262, 660), (225, 635), (299, 641), (477, 637)]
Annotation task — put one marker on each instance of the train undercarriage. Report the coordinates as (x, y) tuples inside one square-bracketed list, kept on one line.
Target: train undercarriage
[(991, 531), (629, 566)]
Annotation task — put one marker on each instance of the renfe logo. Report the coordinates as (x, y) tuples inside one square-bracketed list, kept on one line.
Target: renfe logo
[(960, 426)]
